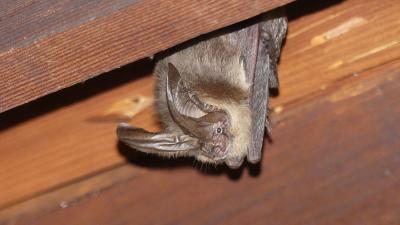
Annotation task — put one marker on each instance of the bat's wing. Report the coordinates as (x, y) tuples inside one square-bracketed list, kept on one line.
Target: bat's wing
[(273, 32), (260, 46)]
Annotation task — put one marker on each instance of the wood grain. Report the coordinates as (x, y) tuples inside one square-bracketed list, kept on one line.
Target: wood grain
[(69, 139), (25, 21), (63, 138), (69, 194), (88, 46), (336, 42), (329, 173)]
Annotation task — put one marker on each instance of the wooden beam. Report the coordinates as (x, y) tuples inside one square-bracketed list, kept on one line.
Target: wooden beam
[(335, 42), (71, 138), (340, 167), (71, 193), (49, 45), (68, 128)]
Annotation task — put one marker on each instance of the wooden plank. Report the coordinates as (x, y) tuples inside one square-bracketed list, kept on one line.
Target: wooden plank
[(334, 43), (73, 136), (88, 45), (25, 22), (341, 166), (345, 88), (70, 194), (54, 138)]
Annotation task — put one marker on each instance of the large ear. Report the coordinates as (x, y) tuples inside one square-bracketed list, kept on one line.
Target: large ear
[(181, 96), (196, 126), (148, 142), (185, 99)]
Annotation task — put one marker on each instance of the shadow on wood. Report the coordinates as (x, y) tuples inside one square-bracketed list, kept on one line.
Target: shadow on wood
[(76, 93), (156, 162)]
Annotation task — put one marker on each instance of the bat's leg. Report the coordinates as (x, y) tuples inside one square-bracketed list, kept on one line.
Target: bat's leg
[(268, 123)]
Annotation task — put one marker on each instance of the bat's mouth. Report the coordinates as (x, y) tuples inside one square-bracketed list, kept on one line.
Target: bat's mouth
[(219, 152)]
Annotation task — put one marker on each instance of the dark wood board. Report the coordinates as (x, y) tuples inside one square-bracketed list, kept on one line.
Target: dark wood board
[(25, 21), (46, 46)]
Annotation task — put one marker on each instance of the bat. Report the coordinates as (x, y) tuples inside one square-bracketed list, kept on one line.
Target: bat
[(212, 96)]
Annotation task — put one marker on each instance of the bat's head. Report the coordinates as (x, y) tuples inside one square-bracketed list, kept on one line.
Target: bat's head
[(207, 130), (207, 123), (212, 132)]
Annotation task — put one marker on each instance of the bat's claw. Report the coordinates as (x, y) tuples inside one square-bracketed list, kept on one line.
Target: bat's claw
[(268, 125)]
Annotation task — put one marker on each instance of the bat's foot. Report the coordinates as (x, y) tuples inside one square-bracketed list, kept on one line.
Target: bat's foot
[(268, 125)]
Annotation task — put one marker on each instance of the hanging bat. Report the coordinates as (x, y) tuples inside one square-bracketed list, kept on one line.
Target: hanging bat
[(212, 96)]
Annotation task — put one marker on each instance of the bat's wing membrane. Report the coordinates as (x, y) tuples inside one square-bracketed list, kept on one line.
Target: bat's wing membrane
[(261, 45)]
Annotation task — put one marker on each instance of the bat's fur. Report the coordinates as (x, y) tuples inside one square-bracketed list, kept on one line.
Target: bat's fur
[(213, 70)]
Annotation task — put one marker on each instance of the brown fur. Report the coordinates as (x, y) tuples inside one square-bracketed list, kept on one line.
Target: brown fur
[(213, 70)]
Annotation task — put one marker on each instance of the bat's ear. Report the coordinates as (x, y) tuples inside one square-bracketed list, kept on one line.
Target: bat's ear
[(173, 79), (148, 142), (173, 73)]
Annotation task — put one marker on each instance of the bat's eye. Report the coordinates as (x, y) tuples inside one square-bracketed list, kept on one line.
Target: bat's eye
[(219, 130)]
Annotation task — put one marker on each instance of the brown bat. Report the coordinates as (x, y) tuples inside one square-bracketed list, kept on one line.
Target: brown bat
[(212, 96)]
